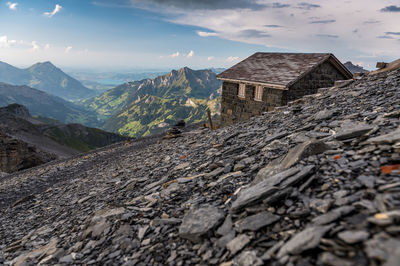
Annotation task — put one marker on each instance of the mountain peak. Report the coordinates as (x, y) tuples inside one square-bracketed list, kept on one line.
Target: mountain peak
[(46, 64), (354, 68), (185, 70)]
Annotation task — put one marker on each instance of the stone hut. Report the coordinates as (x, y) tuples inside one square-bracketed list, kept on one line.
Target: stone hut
[(264, 81)]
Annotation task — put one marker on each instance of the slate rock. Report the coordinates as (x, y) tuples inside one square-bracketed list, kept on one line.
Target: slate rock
[(307, 239), (226, 227), (303, 151), (389, 138), (247, 258), (257, 221), (333, 215), (330, 259), (352, 236), (324, 115), (197, 223), (270, 186), (353, 132), (294, 155), (381, 246), (238, 243)]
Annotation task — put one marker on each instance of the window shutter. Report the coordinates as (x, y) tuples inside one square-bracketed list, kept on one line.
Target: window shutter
[(258, 93), (242, 90)]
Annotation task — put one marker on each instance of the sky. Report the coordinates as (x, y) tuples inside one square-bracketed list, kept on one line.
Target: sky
[(164, 34)]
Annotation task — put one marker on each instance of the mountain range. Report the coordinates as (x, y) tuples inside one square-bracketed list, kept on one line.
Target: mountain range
[(42, 104), (150, 106), (45, 77), (354, 68)]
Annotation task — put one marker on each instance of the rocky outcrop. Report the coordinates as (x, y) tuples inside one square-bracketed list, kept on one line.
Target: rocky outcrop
[(17, 155), (192, 200), (27, 142)]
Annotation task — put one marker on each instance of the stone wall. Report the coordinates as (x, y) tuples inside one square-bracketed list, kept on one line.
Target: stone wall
[(235, 109), (323, 76)]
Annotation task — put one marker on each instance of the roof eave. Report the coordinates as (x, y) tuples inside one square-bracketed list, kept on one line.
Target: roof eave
[(266, 84)]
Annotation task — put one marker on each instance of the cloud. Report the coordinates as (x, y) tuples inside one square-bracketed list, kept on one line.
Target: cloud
[(273, 26), (210, 58), (47, 46), (190, 54), (206, 34), (253, 34), (174, 55), (327, 36), (392, 33), (323, 21), (5, 42), (385, 37), (35, 46), (56, 9), (68, 49), (371, 21), (12, 6), (232, 58), (307, 6), (199, 4), (391, 9), (279, 5)]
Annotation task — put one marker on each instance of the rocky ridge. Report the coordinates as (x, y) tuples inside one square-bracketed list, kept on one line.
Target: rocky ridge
[(313, 183), (27, 141)]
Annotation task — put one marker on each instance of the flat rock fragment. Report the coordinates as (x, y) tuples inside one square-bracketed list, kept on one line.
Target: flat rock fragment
[(270, 186), (353, 132), (247, 258), (197, 223), (257, 221), (353, 237), (307, 239), (238, 243)]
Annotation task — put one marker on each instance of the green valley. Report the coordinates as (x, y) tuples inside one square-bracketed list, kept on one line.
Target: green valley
[(149, 106)]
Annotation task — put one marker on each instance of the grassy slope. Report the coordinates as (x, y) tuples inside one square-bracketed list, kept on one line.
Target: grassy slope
[(137, 108)]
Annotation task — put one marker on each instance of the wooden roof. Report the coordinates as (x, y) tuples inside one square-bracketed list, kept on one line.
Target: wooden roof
[(281, 69)]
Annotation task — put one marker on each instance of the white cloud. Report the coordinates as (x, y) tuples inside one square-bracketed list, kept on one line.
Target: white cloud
[(289, 28), (68, 49), (206, 34), (190, 54), (12, 6), (232, 58), (210, 58), (5, 42), (35, 46), (47, 46), (174, 55), (57, 9)]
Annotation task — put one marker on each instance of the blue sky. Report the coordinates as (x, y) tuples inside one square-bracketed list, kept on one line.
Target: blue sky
[(163, 34)]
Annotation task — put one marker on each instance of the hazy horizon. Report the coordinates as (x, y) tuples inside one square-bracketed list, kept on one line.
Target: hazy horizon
[(126, 35)]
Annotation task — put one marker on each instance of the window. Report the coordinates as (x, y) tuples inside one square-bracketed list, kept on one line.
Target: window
[(258, 93), (242, 90)]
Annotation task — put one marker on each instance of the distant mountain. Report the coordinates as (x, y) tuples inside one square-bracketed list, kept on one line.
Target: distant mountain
[(354, 68), (46, 77), (45, 105), (114, 78), (27, 141), (149, 106), (218, 70)]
